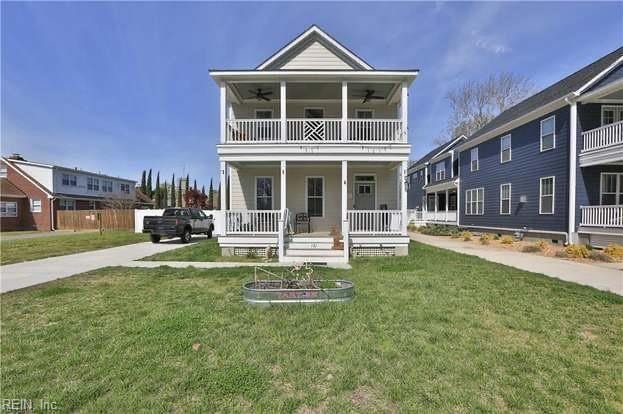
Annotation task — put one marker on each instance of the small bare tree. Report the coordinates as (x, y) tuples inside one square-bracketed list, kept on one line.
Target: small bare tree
[(475, 103)]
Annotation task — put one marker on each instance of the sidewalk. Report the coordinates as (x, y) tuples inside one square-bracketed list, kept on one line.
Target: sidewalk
[(603, 276)]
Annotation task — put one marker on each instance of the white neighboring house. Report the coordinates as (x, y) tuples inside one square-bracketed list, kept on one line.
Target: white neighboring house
[(314, 130)]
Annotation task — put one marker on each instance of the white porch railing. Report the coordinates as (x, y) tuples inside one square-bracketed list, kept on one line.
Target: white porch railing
[(449, 216), (375, 221), (314, 129), (602, 137), (253, 130), (602, 216), (252, 221), (375, 130)]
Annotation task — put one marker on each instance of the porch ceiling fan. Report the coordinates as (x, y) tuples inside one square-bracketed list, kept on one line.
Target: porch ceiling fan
[(260, 95), (369, 95)]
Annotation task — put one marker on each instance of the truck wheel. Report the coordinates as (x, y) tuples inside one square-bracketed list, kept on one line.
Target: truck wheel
[(187, 236), (154, 238), (209, 233)]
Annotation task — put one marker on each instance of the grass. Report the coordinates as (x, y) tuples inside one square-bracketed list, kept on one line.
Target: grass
[(206, 250), (21, 250), (435, 331)]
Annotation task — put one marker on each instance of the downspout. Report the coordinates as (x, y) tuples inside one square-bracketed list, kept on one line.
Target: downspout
[(571, 99), (52, 228)]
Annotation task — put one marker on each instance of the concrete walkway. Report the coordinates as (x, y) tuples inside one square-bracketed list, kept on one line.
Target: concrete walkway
[(603, 276), (21, 275), (217, 265)]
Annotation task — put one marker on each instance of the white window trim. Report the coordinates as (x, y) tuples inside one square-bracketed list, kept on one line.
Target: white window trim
[(510, 198), (323, 195), (272, 184), (264, 110), (32, 205), (541, 134), (357, 110), (3, 172), (603, 107), (553, 194), (356, 181), (475, 191), (617, 193), (315, 107), (471, 159), (6, 209), (510, 149), (438, 171)]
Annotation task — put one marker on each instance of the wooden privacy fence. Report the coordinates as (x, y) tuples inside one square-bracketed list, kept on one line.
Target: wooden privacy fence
[(110, 219)]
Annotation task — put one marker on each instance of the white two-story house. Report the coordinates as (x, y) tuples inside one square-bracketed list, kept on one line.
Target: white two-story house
[(313, 154)]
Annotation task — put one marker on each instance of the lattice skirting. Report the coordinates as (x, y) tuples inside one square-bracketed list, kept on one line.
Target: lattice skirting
[(373, 251), (257, 251)]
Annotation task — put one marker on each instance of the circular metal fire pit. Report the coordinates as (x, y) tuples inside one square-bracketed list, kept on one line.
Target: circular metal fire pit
[(268, 292)]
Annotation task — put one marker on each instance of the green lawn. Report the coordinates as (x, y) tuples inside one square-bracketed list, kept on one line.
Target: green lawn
[(433, 332), (206, 250), (20, 250)]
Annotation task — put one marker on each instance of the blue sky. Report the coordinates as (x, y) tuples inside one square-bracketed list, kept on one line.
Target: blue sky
[(120, 87)]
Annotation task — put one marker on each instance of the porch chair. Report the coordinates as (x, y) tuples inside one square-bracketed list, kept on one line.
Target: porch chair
[(302, 218)]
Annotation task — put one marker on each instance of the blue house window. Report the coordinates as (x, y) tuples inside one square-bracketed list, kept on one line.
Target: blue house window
[(505, 199), (475, 202), (611, 189), (440, 171), (505, 148), (473, 165), (546, 195), (548, 134)]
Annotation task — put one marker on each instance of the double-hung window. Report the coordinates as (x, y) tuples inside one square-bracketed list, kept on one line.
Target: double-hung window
[(107, 186), (505, 199), (546, 195), (611, 114), (611, 189), (93, 184), (475, 202), (548, 133), (505, 148), (8, 209), (124, 188), (473, 165), (3, 172), (315, 196), (67, 204), (35, 206), (263, 193), (440, 171), (70, 180)]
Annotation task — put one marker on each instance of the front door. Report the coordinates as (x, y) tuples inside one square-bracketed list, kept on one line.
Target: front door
[(365, 193)]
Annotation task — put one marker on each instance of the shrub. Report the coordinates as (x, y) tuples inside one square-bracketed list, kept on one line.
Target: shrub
[(455, 234), (531, 248), (507, 240), (466, 235), (600, 256), (542, 245), (614, 250), (496, 237), (485, 238), (577, 251), (436, 230), (561, 253), (412, 227)]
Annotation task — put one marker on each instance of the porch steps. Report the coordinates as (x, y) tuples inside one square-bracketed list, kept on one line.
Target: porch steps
[(308, 246), (312, 249), (314, 252), (314, 259)]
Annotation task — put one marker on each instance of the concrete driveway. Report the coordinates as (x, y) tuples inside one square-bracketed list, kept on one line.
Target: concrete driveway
[(603, 276), (21, 275)]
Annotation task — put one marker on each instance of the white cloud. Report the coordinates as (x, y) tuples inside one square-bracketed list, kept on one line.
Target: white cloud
[(490, 43)]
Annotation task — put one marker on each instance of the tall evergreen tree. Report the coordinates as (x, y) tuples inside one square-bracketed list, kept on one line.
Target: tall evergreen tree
[(187, 184), (218, 207), (211, 195), (150, 191), (157, 197), (172, 200), (195, 185), (203, 190), (165, 196), (179, 195), (144, 182)]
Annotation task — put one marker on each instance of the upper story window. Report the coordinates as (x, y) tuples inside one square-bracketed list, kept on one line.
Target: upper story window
[(35, 206), (263, 113), (124, 188), (440, 171), (107, 186), (548, 133), (546, 195), (3, 172), (70, 180), (505, 198), (611, 114), (475, 202), (473, 165), (505, 148), (263, 193), (611, 189), (93, 184), (364, 113), (314, 112)]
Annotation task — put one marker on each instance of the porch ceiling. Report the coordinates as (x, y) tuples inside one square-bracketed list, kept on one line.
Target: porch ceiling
[(319, 164)]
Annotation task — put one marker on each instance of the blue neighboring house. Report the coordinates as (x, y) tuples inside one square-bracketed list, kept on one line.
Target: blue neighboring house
[(432, 184), (552, 165)]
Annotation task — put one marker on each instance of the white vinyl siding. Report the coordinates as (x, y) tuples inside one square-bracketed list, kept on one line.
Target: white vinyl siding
[(475, 202), (548, 133), (315, 56), (505, 199), (505, 149), (8, 209), (473, 165), (440, 171), (546, 195)]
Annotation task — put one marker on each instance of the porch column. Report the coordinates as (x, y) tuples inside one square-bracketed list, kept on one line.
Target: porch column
[(283, 224), (446, 205), (223, 108), (344, 190), (403, 194), (573, 136), (282, 185), (282, 110), (404, 110), (436, 202), (223, 194), (344, 111)]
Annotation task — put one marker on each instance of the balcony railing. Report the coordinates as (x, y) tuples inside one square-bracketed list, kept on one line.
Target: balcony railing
[(602, 137), (449, 216), (602, 216), (375, 221), (252, 221), (308, 130)]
